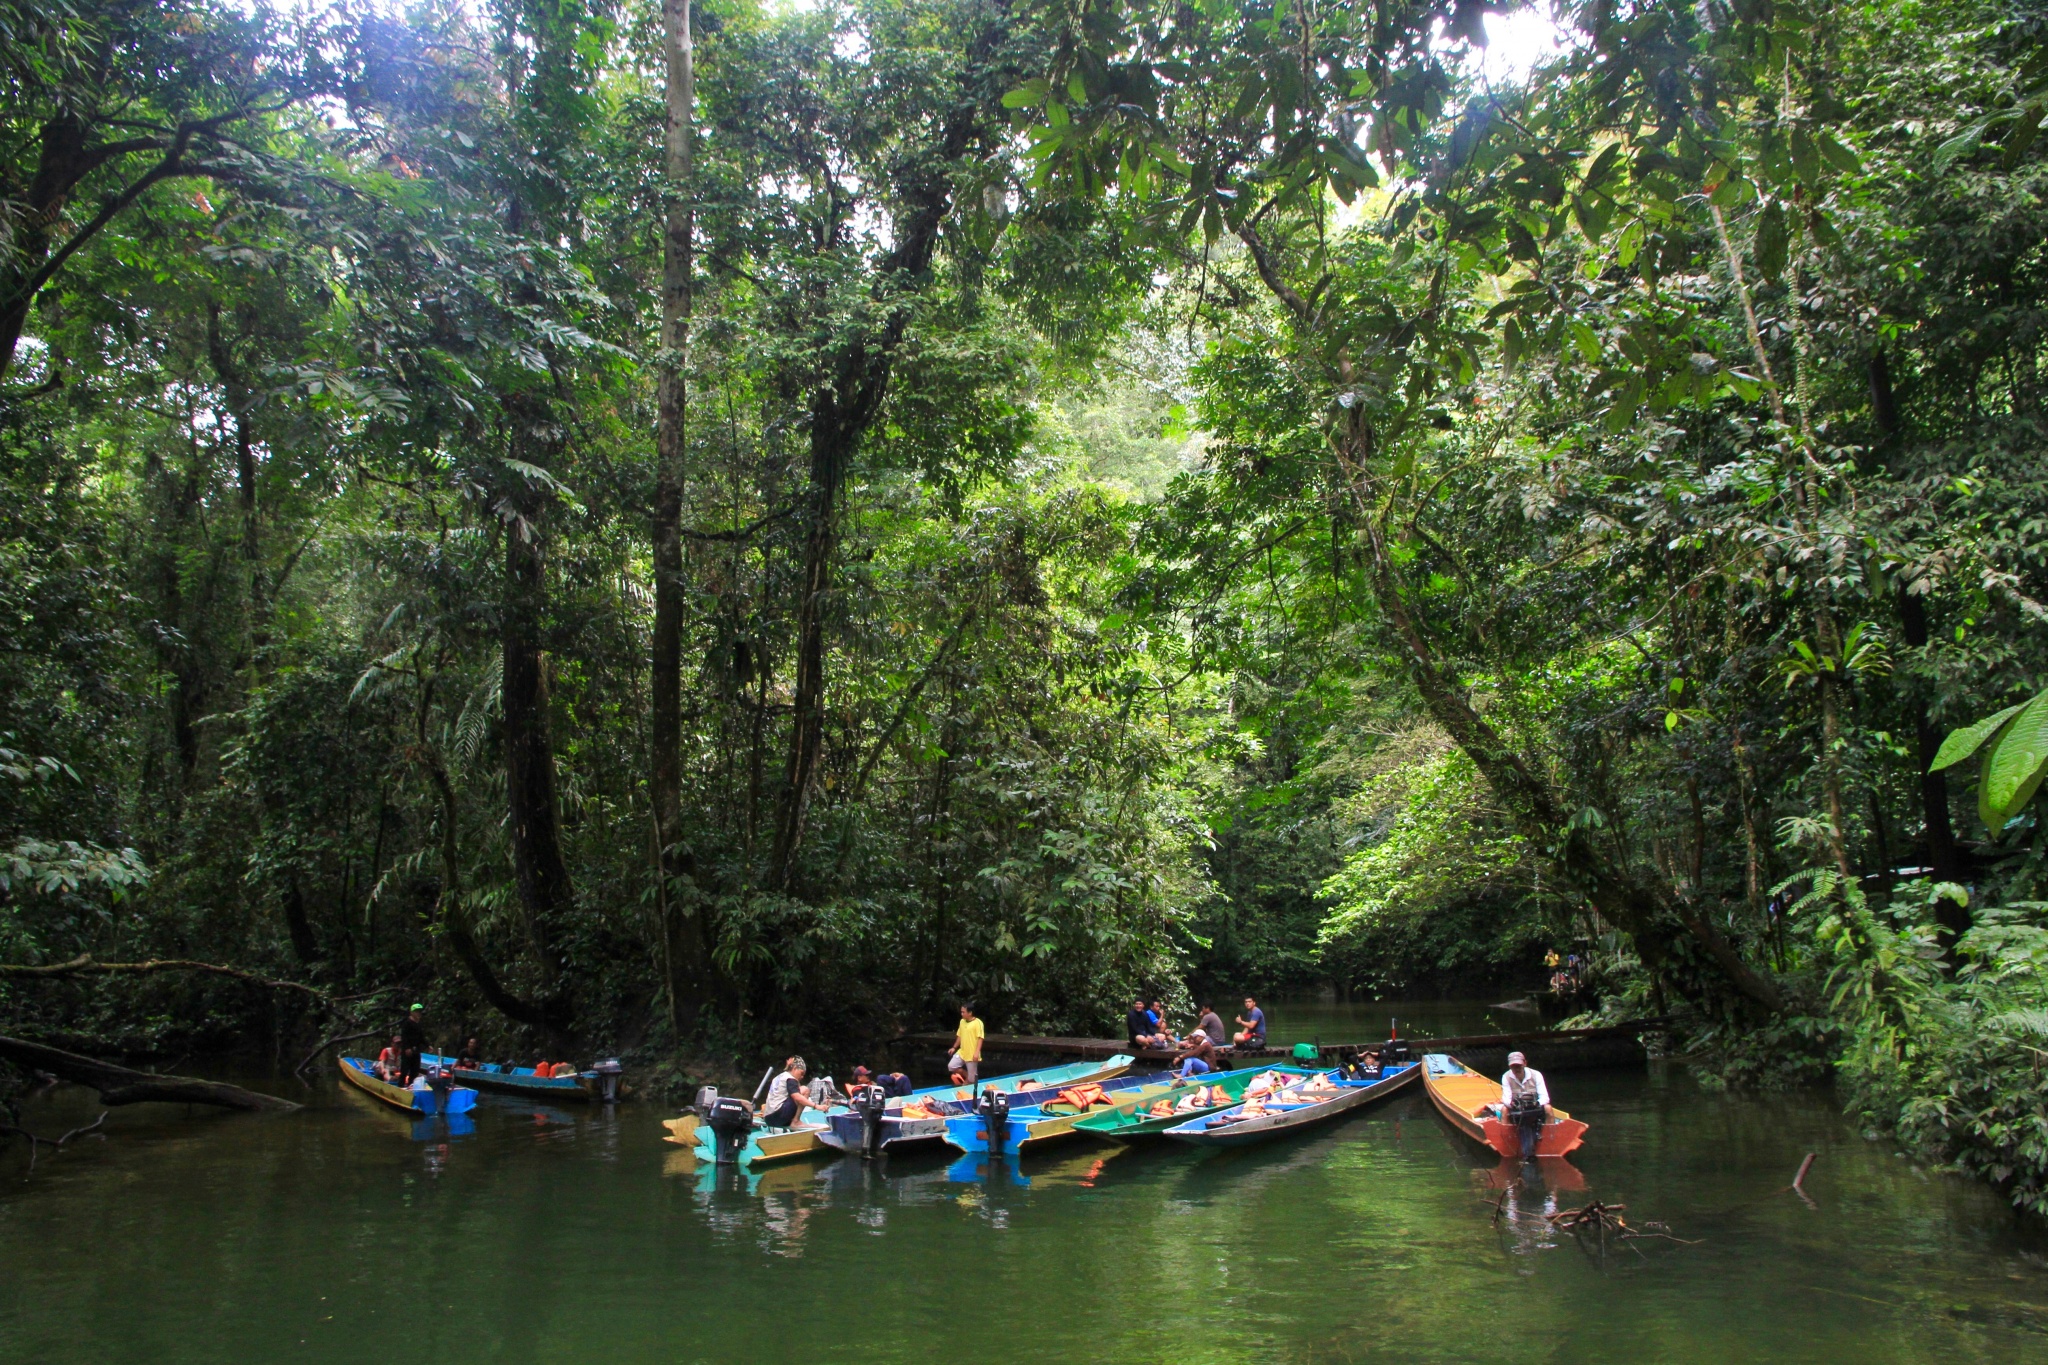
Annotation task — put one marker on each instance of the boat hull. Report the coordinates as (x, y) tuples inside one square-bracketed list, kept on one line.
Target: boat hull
[(417, 1103), (1462, 1096), (1354, 1095), (1031, 1125), (575, 1089), (1127, 1123), (845, 1131)]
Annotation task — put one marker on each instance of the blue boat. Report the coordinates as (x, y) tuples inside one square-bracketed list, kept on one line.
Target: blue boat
[(418, 1103), (1311, 1100), (845, 1129), (519, 1080), (1037, 1116)]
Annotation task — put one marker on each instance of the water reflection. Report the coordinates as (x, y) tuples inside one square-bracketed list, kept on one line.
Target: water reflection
[(1383, 1236)]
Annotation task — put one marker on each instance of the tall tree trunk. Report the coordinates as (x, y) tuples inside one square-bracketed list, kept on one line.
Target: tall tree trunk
[(840, 414), (1942, 855), (1618, 895), (546, 894), (685, 952)]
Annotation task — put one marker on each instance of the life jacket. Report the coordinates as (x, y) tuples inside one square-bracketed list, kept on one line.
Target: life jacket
[(917, 1109), (1082, 1096), (1161, 1110)]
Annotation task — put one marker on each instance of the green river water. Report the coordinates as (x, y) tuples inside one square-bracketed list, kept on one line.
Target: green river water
[(550, 1235)]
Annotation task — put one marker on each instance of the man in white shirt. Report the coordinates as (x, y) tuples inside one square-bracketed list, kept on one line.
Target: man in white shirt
[(1524, 1101)]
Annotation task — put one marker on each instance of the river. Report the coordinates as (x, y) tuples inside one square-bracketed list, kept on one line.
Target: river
[(558, 1236)]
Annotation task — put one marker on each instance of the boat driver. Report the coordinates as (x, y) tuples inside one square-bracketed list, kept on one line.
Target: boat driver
[(1524, 1101)]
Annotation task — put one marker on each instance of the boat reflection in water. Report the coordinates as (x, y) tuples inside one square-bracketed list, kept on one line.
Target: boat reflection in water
[(1545, 1172), (442, 1127)]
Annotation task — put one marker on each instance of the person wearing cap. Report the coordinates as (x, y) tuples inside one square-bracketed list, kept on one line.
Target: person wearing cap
[(1524, 1101), (412, 1041), (893, 1083), (788, 1096), (1197, 1056)]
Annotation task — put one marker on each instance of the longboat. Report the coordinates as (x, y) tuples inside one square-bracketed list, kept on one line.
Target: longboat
[(417, 1103), (1135, 1119), (1472, 1103), (844, 1128), (1317, 1097), (1033, 1119), (520, 1080)]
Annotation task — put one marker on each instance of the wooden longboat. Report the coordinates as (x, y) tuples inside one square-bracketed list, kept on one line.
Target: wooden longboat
[(519, 1080), (841, 1130), (1472, 1104), (1318, 1097), (1050, 1117), (845, 1129), (417, 1103), (1132, 1120)]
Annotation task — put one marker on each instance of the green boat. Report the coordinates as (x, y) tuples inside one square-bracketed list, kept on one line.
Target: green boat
[(1134, 1119)]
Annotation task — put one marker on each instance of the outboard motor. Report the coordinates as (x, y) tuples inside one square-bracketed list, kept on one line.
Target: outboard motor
[(994, 1108), (707, 1095), (1394, 1052), (608, 1073), (870, 1102), (730, 1120), (440, 1082)]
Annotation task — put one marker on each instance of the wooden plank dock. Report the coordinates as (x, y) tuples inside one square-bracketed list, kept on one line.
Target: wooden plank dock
[(1558, 1049)]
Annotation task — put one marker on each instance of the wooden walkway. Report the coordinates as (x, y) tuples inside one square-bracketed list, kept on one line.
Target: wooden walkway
[(1607, 1045)]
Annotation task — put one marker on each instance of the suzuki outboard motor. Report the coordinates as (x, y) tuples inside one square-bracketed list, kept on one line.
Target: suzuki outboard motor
[(870, 1102), (607, 1084), (730, 1120), (994, 1108)]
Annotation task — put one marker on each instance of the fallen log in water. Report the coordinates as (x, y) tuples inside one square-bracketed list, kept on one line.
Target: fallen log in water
[(120, 1085)]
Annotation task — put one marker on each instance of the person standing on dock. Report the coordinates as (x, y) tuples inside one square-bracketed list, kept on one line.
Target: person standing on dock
[(965, 1063), (1524, 1101)]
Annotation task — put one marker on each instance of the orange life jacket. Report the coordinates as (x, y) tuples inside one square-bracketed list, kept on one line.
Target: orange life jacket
[(1082, 1096), (917, 1109)]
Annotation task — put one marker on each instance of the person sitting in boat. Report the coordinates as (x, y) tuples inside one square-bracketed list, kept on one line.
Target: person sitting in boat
[(386, 1065), (1197, 1056), (1524, 1101), (788, 1096), (1253, 1022), (471, 1057), (1211, 1025), (893, 1083), (1140, 1028), (542, 1067)]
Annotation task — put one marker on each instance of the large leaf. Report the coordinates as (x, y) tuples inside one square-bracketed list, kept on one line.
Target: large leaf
[(1960, 744), (2014, 768)]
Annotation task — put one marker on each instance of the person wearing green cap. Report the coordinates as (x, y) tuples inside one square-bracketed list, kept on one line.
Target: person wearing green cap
[(412, 1041)]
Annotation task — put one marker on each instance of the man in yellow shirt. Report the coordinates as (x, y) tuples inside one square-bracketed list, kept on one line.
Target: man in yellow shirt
[(965, 1063)]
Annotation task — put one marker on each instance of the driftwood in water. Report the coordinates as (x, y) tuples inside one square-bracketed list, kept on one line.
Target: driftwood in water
[(121, 1085), (36, 1141)]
